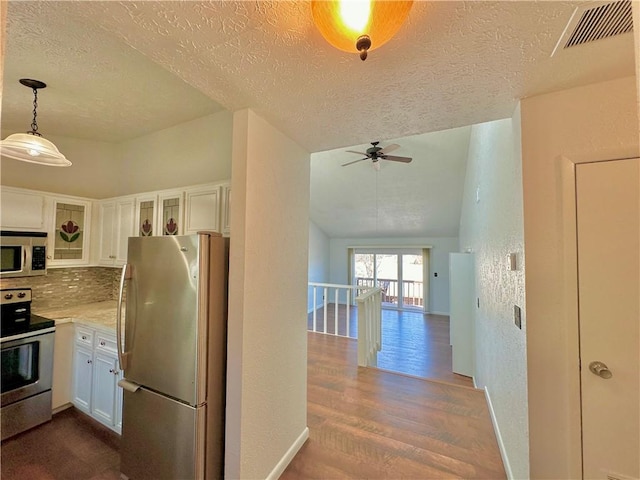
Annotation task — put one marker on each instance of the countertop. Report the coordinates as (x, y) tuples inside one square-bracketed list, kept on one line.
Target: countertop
[(100, 315)]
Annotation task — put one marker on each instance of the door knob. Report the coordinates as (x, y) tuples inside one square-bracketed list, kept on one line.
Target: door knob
[(600, 369)]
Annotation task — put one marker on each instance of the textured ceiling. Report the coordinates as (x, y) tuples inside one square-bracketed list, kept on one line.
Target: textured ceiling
[(421, 198), (118, 70), (97, 87)]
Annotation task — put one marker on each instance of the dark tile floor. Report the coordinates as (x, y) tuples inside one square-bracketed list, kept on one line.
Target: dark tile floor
[(71, 446)]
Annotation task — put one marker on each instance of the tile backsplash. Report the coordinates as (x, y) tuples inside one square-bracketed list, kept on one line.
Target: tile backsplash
[(63, 287)]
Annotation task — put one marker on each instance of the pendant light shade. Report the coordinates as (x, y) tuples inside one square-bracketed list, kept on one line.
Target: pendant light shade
[(32, 147), (357, 25)]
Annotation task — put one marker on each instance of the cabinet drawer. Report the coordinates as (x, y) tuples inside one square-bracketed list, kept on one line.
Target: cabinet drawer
[(84, 337), (106, 343)]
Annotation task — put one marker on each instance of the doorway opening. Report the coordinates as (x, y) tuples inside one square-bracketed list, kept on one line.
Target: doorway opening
[(400, 273)]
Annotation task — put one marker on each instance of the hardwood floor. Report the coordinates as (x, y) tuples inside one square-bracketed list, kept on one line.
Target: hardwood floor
[(412, 343), (364, 423), (71, 446), (368, 423)]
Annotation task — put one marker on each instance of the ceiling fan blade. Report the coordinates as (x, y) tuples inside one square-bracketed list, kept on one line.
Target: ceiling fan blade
[(355, 161), (396, 159), (351, 151), (389, 148)]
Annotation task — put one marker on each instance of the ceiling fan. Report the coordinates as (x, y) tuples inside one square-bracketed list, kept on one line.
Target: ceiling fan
[(376, 153)]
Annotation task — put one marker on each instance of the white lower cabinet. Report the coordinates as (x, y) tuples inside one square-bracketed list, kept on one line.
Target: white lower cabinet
[(95, 378), (82, 378)]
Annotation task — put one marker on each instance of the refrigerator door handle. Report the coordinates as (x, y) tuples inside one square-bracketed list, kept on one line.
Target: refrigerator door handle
[(122, 356), (128, 386)]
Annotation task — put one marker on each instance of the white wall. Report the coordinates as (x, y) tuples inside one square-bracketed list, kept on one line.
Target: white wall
[(439, 263), (190, 153), (319, 256), (94, 174), (267, 333), (492, 228), (588, 123)]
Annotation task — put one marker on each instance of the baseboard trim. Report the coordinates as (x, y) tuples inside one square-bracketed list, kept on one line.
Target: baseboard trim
[(286, 459), (61, 408), (503, 452), (439, 313), (319, 306)]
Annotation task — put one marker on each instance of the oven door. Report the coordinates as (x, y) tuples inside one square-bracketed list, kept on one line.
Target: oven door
[(27, 365)]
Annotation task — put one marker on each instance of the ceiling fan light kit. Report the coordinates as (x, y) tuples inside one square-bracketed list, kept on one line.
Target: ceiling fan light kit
[(359, 26), (32, 147)]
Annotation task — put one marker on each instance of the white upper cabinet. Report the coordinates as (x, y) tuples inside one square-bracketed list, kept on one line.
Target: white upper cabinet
[(145, 224), (67, 220), (116, 226), (69, 235), (170, 213), (203, 210), (22, 210)]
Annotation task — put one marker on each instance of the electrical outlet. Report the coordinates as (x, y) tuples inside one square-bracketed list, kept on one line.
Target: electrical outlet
[(435, 274), (517, 316)]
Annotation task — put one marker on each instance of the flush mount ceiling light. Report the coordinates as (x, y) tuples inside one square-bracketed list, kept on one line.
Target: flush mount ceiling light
[(359, 25), (32, 146)]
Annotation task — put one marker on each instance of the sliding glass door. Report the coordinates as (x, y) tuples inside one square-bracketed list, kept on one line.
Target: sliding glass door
[(398, 274)]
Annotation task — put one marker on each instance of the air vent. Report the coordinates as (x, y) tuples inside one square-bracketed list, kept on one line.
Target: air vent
[(595, 22)]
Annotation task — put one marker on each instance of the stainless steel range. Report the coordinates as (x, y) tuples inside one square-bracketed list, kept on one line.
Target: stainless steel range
[(27, 363)]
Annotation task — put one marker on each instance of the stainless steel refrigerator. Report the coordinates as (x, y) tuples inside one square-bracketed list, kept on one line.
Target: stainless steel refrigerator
[(173, 356)]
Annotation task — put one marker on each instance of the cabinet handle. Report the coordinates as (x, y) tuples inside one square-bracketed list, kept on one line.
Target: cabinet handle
[(84, 337), (48, 257), (111, 370), (102, 343), (88, 361)]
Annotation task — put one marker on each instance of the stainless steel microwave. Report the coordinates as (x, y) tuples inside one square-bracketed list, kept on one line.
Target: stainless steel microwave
[(23, 254)]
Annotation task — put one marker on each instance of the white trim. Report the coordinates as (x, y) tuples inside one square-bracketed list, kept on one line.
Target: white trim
[(494, 421), (61, 408), (320, 305), (438, 313), (288, 456)]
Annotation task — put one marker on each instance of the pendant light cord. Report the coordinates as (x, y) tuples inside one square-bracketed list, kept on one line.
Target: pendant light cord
[(34, 123)]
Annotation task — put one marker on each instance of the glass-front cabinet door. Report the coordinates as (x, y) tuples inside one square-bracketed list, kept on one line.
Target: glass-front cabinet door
[(69, 242), (171, 213), (146, 208)]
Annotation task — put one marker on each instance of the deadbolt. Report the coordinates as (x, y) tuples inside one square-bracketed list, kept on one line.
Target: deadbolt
[(600, 369)]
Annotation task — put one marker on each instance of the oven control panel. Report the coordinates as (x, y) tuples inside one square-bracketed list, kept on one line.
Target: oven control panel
[(15, 295)]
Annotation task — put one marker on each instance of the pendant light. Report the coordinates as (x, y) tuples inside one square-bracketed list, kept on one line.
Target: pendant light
[(32, 146), (359, 25)]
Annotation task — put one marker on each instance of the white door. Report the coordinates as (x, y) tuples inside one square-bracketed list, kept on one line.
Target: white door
[(608, 216), (462, 286)]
